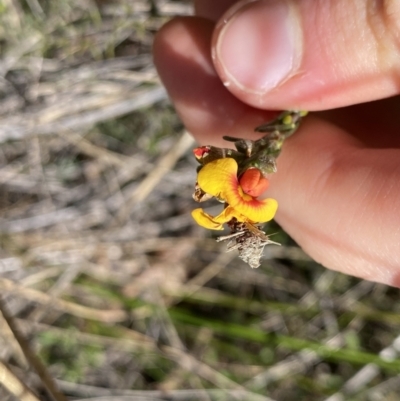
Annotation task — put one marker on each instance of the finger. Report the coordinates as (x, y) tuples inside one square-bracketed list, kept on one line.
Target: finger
[(376, 124), (339, 201), (212, 9), (208, 110), (309, 54)]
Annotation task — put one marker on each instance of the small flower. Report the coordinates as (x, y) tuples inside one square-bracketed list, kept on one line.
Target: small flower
[(219, 178), (236, 178)]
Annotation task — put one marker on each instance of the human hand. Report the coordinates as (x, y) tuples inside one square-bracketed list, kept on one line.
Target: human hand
[(338, 179)]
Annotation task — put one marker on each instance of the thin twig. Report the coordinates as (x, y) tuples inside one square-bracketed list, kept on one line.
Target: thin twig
[(33, 360)]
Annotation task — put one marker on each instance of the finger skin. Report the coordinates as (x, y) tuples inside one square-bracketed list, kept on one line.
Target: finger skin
[(376, 124), (208, 110), (363, 120), (341, 201), (338, 199), (211, 9), (346, 52)]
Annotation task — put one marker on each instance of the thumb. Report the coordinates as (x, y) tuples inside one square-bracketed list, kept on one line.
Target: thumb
[(309, 54)]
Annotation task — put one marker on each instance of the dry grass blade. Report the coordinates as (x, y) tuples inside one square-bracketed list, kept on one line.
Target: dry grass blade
[(31, 357), (173, 395), (165, 164), (40, 221), (211, 270), (14, 385), (8, 336), (183, 395), (107, 316), (191, 364), (12, 128), (106, 156)]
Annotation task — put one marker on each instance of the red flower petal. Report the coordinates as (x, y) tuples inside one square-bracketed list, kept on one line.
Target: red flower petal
[(201, 152)]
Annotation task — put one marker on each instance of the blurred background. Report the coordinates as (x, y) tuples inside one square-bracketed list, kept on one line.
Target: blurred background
[(109, 290)]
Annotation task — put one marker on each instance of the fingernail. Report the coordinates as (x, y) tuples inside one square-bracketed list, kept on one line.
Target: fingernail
[(259, 46)]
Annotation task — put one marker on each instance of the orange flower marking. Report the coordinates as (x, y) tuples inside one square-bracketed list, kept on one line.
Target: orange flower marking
[(219, 178)]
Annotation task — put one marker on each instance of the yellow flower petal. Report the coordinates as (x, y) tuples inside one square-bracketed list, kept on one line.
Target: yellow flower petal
[(205, 220), (215, 223), (228, 214), (218, 176)]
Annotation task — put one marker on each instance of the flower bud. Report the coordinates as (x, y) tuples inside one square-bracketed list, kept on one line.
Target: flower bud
[(201, 152), (253, 182)]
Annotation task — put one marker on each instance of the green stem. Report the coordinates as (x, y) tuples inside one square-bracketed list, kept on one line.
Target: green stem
[(253, 334)]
